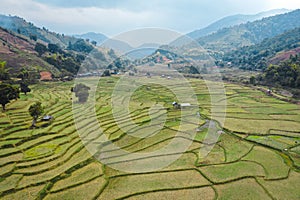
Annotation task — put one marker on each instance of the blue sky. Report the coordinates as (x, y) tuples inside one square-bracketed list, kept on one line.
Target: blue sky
[(112, 17)]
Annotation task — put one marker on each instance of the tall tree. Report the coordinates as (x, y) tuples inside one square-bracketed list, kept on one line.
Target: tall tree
[(35, 111), (24, 87), (8, 93), (94, 43), (81, 91), (40, 48), (252, 80)]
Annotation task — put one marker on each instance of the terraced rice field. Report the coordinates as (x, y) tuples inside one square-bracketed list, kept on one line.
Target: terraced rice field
[(257, 156)]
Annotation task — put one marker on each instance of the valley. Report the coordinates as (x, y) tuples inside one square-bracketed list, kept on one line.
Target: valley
[(210, 114)]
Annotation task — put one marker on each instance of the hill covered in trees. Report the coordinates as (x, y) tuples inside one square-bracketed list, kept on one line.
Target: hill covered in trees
[(21, 26), (269, 51), (232, 21), (25, 46), (232, 38), (286, 74)]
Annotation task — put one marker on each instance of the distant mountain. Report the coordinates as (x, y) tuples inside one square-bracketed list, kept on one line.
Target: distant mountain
[(232, 21), (123, 48), (269, 51), (98, 37), (143, 50), (228, 39), (21, 26), (120, 47)]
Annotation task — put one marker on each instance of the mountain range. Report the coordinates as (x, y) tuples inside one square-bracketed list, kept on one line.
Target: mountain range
[(59, 53), (232, 21), (250, 33)]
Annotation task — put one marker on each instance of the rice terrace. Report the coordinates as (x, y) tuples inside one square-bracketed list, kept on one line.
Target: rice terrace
[(257, 152), (162, 100)]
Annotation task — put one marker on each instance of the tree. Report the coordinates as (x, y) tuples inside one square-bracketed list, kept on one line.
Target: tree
[(24, 87), (81, 91), (33, 37), (193, 70), (252, 80), (4, 75), (8, 93), (94, 43), (106, 73), (40, 48), (35, 111), (24, 74), (54, 48), (112, 54), (81, 46)]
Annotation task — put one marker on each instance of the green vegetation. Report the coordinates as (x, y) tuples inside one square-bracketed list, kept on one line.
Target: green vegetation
[(35, 111), (24, 88), (285, 74), (8, 93), (4, 75), (259, 56), (257, 153), (81, 91), (42, 50), (50, 162), (81, 46), (232, 38)]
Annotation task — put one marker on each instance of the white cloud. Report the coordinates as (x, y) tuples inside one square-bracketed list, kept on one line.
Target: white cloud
[(113, 17), (289, 4), (74, 20)]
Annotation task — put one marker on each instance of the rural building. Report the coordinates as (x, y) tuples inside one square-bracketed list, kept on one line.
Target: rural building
[(45, 76), (47, 118), (182, 105)]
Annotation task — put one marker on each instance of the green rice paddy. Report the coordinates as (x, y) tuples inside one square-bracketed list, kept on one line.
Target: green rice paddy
[(257, 155)]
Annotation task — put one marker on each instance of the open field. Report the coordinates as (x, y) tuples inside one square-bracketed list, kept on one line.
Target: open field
[(257, 155)]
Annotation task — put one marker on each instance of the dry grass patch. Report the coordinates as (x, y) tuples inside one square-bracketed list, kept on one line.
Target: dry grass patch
[(232, 171), (82, 192), (79, 176), (127, 185), (205, 193), (272, 162), (284, 189), (30, 193), (234, 147), (259, 126), (242, 189)]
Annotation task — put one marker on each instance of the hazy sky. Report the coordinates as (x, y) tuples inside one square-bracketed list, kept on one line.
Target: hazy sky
[(112, 17)]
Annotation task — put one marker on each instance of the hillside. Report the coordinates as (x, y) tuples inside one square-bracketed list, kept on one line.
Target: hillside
[(21, 26), (19, 52), (285, 74), (269, 51), (228, 39), (232, 21)]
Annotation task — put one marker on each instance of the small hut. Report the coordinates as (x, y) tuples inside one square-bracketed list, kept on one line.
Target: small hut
[(47, 118)]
